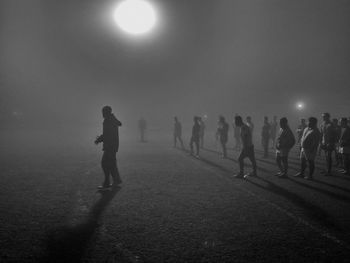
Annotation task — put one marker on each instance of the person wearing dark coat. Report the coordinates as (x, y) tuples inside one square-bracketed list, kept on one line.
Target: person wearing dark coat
[(195, 136), (284, 143), (247, 149), (328, 140), (110, 140)]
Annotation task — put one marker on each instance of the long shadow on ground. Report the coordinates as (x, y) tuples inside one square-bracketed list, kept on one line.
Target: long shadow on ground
[(68, 243), (323, 191), (314, 212)]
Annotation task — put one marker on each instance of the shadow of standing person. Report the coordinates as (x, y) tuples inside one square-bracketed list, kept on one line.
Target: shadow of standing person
[(69, 243)]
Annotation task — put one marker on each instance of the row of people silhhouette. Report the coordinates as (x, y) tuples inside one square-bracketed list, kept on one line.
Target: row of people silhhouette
[(330, 138)]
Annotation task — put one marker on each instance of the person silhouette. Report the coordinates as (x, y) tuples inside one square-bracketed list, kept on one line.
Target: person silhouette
[(265, 136), (237, 136), (142, 129), (284, 143), (309, 145), (247, 148), (222, 134), (328, 140), (177, 132), (201, 132), (273, 131), (110, 139), (195, 136)]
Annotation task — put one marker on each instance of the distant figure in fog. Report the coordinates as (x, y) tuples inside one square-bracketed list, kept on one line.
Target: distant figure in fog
[(222, 134), (247, 148), (237, 135), (142, 129), (284, 143), (110, 139), (178, 132), (265, 136), (309, 144), (328, 140), (195, 136), (273, 131), (250, 124), (344, 145), (337, 128), (201, 132)]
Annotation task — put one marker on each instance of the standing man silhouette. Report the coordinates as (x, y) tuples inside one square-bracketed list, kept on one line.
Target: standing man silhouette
[(177, 132), (284, 143), (273, 131), (195, 136), (309, 144), (247, 148), (142, 129), (201, 132), (328, 140), (237, 135), (222, 133), (265, 136), (110, 139)]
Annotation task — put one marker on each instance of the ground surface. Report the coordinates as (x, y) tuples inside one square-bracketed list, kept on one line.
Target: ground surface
[(171, 208)]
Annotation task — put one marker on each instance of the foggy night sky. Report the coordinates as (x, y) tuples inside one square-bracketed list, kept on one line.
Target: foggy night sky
[(66, 59)]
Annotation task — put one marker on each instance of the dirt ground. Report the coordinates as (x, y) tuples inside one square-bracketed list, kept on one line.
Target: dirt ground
[(171, 207)]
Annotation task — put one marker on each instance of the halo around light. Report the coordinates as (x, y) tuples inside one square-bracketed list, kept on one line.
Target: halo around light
[(136, 17), (300, 105)]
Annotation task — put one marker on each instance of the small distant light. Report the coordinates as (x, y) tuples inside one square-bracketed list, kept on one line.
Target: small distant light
[(300, 106)]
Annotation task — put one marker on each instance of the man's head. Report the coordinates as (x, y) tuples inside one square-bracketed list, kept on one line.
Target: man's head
[(312, 122), (249, 119), (266, 119), (335, 121), (221, 118), (238, 121), (344, 122), (283, 122), (326, 116), (195, 118), (106, 111), (302, 121)]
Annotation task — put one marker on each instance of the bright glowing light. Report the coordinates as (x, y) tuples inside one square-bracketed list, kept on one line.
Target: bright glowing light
[(135, 17), (300, 106)]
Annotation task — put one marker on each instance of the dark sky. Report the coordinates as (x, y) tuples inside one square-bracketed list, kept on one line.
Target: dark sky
[(66, 59)]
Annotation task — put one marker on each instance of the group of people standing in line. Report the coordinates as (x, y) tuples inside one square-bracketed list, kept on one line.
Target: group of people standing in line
[(331, 137)]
